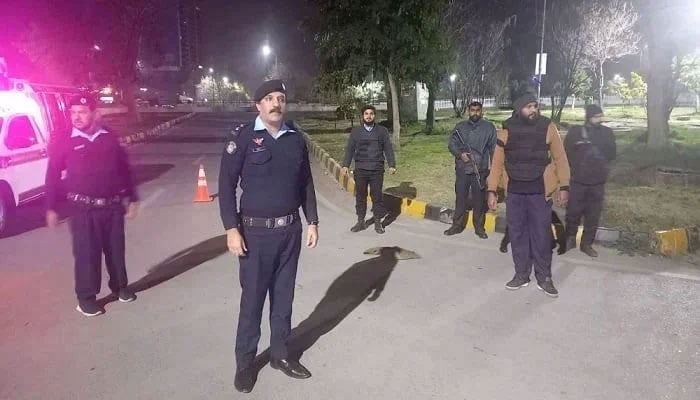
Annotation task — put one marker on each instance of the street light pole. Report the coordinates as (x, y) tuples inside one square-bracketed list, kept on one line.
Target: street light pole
[(539, 64)]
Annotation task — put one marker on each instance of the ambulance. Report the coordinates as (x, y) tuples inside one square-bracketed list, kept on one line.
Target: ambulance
[(31, 115)]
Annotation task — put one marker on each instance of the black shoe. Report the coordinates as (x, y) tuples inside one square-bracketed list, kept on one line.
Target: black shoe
[(516, 283), (503, 248), (482, 235), (588, 250), (360, 225), (126, 295), (244, 380), (547, 286), (291, 368), (378, 226), (453, 231), (89, 308)]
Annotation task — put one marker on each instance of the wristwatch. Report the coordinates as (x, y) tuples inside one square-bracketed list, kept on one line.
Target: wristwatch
[(314, 223)]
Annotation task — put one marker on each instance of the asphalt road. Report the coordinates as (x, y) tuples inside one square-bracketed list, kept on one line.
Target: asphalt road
[(444, 327)]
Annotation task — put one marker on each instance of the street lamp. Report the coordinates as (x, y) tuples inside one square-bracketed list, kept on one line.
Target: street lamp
[(225, 79), (453, 77), (211, 70), (267, 50)]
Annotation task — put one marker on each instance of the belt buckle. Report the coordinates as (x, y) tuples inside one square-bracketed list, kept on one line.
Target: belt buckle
[(100, 202), (282, 221)]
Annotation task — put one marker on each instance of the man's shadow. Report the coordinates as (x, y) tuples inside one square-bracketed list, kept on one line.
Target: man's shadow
[(177, 264), (363, 280), (393, 198)]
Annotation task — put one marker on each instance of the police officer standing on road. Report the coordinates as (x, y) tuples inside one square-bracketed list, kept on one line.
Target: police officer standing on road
[(369, 145), (473, 139), (100, 193), (272, 163), (524, 150), (590, 149)]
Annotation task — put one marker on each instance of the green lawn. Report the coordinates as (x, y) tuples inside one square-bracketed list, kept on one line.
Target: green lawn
[(426, 168)]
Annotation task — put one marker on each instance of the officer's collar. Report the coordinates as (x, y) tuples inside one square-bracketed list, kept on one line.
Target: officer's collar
[(260, 126), (78, 133)]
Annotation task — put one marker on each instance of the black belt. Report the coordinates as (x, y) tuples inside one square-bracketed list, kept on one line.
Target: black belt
[(270, 223), (94, 201)]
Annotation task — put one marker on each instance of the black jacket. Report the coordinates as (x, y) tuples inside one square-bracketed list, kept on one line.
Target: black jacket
[(369, 149), (590, 157), (481, 136)]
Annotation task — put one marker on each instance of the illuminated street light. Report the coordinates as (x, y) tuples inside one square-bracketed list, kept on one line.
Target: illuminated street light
[(211, 70), (453, 77), (96, 47), (200, 67), (225, 79), (266, 50)]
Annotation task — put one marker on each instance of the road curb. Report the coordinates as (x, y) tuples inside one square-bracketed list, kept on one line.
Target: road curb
[(669, 243), (158, 130)]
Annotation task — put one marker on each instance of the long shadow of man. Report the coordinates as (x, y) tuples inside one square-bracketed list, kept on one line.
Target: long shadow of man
[(363, 280)]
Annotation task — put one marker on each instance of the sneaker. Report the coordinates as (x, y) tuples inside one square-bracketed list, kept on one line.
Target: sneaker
[(378, 227), (547, 286), (126, 295), (516, 283), (89, 308)]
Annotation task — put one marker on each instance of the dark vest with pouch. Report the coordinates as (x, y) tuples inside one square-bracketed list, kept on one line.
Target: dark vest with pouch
[(526, 151)]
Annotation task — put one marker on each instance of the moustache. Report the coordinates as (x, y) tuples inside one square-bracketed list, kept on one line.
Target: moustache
[(276, 110)]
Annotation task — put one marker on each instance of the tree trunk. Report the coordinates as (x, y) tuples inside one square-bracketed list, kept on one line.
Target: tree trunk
[(129, 99), (601, 84), (660, 95), (573, 102), (430, 114), (697, 102), (396, 122)]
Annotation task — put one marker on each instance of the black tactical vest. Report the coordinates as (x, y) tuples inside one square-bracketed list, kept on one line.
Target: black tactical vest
[(526, 151)]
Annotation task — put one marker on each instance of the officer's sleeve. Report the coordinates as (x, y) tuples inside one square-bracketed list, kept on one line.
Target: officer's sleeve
[(498, 164), (57, 163), (389, 150), (308, 194), (561, 161), (349, 151), (128, 176), (454, 145), (229, 175)]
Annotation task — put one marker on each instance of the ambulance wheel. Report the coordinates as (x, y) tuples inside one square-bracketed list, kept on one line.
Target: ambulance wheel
[(7, 210)]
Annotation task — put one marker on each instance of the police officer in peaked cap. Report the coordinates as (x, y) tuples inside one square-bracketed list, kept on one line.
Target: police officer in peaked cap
[(270, 162), (100, 194)]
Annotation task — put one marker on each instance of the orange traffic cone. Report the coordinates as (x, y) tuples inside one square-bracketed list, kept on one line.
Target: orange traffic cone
[(202, 194)]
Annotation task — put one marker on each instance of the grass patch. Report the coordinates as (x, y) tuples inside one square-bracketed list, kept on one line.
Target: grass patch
[(426, 168)]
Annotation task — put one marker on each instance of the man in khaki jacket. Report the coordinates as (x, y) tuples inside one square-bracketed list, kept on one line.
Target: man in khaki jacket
[(523, 153)]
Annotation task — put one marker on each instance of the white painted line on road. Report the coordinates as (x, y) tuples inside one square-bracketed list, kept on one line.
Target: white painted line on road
[(199, 160), (150, 199)]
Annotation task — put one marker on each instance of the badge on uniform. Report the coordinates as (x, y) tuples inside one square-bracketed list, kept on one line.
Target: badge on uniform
[(258, 141), (231, 148)]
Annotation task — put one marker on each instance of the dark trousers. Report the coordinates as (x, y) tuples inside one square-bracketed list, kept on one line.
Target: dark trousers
[(96, 231), (464, 184), (270, 266), (529, 219), (375, 181), (584, 201)]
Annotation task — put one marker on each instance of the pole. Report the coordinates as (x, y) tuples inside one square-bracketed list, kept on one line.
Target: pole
[(539, 66)]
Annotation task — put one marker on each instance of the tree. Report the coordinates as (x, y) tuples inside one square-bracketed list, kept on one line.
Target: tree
[(610, 35), (619, 87), (355, 38), (638, 88), (690, 76), (566, 40), (480, 53), (671, 31)]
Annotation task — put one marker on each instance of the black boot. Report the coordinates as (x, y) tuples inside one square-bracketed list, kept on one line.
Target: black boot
[(360, 225), (453, 230)]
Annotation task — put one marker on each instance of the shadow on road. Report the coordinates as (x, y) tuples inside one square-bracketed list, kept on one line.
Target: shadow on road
[(363, 280), (177, 264)]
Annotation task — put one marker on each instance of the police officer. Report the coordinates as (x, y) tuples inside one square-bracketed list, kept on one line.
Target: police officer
[(473, 139), (100, 193), (271, 161), (590, 149), (369, 145), (523, 152)]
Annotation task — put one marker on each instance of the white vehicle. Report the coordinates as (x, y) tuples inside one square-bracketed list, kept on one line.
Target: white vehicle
[(30, 116)]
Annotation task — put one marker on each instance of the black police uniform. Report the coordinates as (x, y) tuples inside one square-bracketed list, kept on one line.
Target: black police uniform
[(98, 182), (275, 178), (369, 146)]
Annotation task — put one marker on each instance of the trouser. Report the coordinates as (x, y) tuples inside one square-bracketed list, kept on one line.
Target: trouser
[(560, 238), (270, 266), (529, 219), (96, 231), (584, 201), (375, 181), (463, 185)]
